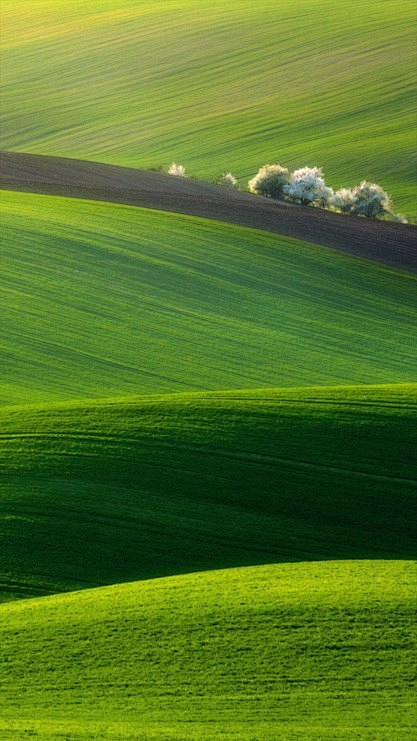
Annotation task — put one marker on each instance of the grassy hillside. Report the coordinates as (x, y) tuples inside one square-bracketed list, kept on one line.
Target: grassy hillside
[(216, 85), (97, 493), (297, 651), (102, 299), (123, 459)]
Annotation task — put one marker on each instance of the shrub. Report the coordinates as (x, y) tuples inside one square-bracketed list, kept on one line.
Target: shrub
[(398, 218), (178, 170), (270, 181), (370, 200), (307, 186), (366, 199), (343, 200), (228, 180)]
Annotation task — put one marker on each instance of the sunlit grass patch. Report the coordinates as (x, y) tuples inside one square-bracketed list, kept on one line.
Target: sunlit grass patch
[(101, 299), (318, 651)]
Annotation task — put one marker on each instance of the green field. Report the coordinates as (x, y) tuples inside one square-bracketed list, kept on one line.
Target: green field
[(217, 85), (295, 652), (208, 484), (103, 300), (99, 493), (176, 474)]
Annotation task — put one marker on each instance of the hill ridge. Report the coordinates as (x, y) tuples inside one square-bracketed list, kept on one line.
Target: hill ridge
[(98, 493), (385, 242)]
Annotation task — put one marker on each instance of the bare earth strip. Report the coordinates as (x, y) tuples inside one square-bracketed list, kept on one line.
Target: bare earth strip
[(386, 242)]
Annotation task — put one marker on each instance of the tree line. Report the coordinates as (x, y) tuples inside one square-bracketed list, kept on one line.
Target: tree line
[(307, 187)]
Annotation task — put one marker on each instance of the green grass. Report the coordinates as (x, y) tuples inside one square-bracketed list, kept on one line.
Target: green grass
[(217, 85), (102, 300), (294, 652), (98, 493)]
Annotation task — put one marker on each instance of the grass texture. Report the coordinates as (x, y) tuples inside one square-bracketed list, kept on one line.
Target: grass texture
[(103, 492), (102, 300), (216, 85), (295, 651)]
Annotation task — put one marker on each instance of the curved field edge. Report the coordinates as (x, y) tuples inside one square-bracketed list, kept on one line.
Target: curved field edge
[(261, 652), (103, 492), (101, 299), (386, 242), (216, 86)]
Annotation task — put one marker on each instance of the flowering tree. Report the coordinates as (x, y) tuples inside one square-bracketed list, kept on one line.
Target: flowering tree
[(307, 186), (366, 199), (343, 200), (370, 200), (178, 170), (270, 181), (228, 180)]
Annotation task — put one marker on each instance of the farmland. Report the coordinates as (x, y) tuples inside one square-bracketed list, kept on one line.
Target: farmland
[(242, 457), (317, 651), (103, 492), (208, 399), (103, 299), (217, 86)]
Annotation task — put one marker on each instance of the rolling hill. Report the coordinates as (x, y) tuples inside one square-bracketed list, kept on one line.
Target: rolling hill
[(208, 490), (104, 298), (390, 243), (216, 85), (294, 651), (102, 492), (101, 300)]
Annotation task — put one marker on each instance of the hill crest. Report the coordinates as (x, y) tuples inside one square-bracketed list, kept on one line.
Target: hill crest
[(386, 242)]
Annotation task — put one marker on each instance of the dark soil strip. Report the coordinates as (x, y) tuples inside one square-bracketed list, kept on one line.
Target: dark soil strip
[(386, 242)]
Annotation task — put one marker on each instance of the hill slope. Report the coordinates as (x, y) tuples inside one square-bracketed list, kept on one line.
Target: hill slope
[(317, 651), (97, 493), (387, 242), (101, 299), (216, 85)]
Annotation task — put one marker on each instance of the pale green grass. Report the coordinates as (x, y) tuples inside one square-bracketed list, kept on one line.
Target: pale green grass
[(100, 299), (217, 85), (296, 651), (103, 492)]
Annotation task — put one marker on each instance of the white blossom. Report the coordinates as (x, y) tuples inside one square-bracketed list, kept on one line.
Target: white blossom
[(228, 180), (370, 200), (269, 181), (307, 186), (343, 200), (398, 218), (178, 170)]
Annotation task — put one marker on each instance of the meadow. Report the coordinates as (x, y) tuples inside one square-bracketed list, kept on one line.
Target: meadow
[(207, 431), (174, 475), (292, 651), (104, 492), (103, 300), (217, 86)]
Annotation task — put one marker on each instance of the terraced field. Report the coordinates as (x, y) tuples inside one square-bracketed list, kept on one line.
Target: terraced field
[(217, 85)]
